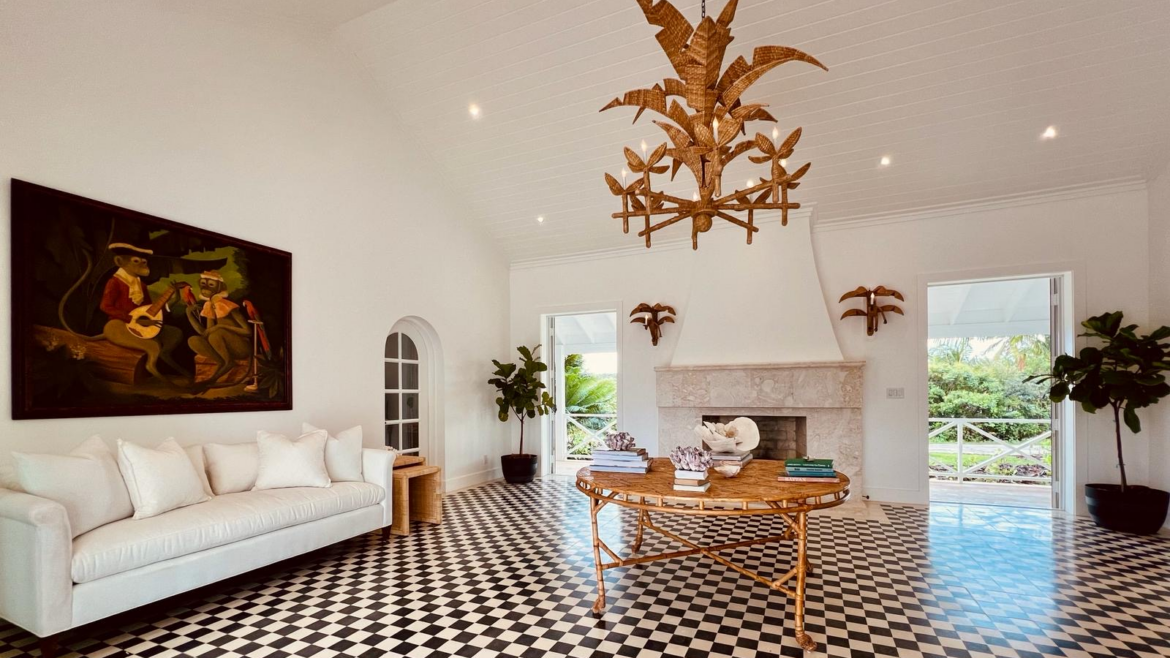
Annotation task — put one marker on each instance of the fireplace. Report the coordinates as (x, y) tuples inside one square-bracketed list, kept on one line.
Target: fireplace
[(803, 409), (781, 437)]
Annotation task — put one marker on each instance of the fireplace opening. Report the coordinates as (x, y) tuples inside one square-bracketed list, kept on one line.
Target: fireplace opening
[(781, 437)]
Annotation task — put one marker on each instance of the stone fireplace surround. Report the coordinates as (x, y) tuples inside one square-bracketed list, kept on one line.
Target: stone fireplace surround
[(827, 395)]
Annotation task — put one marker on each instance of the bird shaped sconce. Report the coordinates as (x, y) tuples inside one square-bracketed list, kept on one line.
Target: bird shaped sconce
[(648, 316), (873, 310)]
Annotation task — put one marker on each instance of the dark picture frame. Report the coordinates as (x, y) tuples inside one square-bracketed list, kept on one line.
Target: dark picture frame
[(116, 312)]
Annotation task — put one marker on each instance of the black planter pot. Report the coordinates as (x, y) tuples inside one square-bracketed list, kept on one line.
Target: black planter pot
[(519, 469), (1140, 510)]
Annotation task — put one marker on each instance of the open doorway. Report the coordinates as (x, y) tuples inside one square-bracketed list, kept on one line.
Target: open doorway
[(584, 382), (990, 436)]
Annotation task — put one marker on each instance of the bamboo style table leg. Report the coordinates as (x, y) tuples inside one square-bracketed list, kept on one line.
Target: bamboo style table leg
[(802, 567), (595, 507), (642, 514)]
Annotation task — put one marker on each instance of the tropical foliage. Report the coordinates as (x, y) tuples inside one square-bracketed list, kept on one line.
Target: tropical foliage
[(992, 384), (592, 401)]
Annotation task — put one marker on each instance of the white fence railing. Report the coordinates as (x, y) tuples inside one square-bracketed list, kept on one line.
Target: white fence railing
[(1032, 449), (583, 439)]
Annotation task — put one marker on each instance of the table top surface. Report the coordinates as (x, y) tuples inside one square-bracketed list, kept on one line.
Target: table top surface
[(756, 483)]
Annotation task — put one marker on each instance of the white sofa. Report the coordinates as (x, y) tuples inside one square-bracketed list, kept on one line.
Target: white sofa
[(50, 583)]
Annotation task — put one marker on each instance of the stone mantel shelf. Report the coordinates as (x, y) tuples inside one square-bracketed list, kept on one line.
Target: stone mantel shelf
[(766, 366)]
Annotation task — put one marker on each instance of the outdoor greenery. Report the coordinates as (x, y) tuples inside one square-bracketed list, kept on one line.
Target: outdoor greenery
[(521, 391), (988, 378), (591, 395), (991, 385), (1125, 373)]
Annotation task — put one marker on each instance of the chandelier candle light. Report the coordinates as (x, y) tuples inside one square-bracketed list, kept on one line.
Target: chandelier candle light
[(702, 139)]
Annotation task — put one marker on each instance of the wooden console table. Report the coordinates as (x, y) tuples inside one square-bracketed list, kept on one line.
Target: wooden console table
[(417, 494), (754, 491)]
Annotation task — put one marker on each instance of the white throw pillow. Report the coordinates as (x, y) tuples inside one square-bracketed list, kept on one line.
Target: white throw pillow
[(159, 479), (195, 454), (343, 453), (231, 468), (288, 463), (86, 482), (8, 478)]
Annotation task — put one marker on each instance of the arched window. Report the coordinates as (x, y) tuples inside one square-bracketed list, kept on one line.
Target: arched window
[(402, 394)]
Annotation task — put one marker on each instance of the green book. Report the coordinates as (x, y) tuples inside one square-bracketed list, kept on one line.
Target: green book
[(808, 463)]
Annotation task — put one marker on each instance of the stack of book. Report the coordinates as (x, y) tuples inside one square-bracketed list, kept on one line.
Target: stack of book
[(691, 481), (741, 457), (808, 470), (634, 460)]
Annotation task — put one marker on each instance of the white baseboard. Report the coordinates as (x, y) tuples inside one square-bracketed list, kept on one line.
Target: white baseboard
[(452, 485), (898, 496)]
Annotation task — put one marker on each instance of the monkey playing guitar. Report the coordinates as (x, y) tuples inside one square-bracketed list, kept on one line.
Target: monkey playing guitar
[(146, 321)]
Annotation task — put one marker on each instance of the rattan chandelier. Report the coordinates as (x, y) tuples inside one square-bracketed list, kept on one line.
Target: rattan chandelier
[(702, 139)]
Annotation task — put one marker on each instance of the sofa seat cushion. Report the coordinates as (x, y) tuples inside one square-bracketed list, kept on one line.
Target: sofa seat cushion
[(133, 543)]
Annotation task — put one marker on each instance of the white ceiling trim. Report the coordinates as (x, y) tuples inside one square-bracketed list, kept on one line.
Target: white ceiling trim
[(818, 226)]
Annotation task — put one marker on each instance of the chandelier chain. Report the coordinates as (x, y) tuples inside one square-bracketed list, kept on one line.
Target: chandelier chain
[(703, 5)]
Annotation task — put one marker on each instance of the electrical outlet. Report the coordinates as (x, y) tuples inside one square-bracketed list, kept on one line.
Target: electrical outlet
[(895, 393)]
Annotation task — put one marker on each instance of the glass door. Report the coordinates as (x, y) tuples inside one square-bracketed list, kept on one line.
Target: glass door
[(583, 367)]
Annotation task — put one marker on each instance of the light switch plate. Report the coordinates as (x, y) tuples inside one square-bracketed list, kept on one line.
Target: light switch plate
[(895, 393)]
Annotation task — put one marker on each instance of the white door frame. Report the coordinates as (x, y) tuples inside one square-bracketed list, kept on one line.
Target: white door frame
[(1073, 468), (547, 427), (432, 426)]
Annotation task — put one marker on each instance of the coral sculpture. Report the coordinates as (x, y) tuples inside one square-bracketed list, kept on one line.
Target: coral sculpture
[(619, 441), (688, 458), (740, 434)]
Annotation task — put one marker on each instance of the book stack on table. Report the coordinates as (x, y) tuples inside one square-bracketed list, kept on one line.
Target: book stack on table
[(691, 481), (741, 457), (634, 460), (808, 470)]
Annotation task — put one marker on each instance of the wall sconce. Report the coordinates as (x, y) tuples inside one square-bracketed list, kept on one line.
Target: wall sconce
[(873, 310), (648, 317)]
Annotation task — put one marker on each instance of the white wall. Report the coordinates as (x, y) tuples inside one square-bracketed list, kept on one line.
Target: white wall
[(1102, 235), (1158, 417), (269, 135)]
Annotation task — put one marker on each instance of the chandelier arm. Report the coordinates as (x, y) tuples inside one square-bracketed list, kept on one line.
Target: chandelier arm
[(669, 222), (738, 222), (660, 211)]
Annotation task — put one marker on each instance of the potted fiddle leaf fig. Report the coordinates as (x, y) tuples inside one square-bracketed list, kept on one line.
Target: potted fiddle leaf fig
[(1124, 374), (522, 394)]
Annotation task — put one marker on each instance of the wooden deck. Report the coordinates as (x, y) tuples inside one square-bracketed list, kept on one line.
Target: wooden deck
[(978, 493)]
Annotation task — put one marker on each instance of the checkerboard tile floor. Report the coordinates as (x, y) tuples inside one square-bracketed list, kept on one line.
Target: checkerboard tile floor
[(510, 573)]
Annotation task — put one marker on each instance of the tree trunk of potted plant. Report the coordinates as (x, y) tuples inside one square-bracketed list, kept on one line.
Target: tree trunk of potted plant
[(1125, 373)]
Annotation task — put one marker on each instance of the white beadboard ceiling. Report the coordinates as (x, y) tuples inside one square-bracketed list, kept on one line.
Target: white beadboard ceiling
[(955, 93)]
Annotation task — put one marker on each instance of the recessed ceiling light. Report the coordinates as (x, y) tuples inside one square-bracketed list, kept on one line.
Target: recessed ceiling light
[(885, 161), (540, 220), (1049, 133), (784, 162), (473, 110), (749, 183)]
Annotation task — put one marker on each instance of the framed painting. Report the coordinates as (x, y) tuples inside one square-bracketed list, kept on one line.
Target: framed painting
[(120, 313)]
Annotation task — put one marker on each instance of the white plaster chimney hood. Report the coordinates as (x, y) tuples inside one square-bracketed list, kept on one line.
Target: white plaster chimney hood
[(775, 315)]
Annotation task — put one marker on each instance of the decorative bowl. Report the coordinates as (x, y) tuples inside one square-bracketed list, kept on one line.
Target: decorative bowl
[(729, 470)]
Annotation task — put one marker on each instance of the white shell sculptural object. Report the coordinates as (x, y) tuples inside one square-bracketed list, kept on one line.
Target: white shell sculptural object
[(741, 434)]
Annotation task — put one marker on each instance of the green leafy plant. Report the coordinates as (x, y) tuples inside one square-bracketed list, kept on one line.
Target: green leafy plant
[(1125, 373), (521, 392)]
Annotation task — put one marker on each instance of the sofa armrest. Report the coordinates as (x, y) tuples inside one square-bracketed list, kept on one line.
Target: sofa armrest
[(36, 548), (378, 468)]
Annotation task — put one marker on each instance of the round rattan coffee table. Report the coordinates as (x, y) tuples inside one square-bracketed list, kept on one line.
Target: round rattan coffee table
[(754, 491)]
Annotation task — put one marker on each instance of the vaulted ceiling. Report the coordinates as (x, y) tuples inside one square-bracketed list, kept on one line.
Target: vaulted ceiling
[(955, 93)]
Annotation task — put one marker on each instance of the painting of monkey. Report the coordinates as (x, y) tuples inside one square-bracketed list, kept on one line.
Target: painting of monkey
[(115, 312)]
